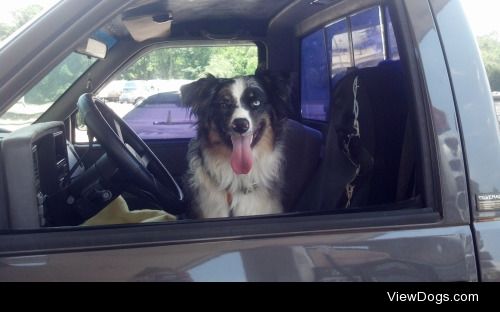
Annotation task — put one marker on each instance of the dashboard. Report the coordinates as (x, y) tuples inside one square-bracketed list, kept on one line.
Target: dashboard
[(35, 163)]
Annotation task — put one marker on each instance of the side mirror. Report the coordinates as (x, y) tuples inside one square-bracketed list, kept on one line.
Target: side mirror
[(94, 48)]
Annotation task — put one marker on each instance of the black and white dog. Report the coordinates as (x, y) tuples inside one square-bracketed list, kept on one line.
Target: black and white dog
[(235, 161)]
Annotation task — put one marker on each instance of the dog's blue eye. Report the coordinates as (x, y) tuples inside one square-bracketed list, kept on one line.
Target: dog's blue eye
[(256, 103)]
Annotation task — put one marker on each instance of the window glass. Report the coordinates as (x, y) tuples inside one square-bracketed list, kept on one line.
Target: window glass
[(353, 41), (367, 38), (485, 25), (146, 94), (339, 49), (36, 101), (315, 94)]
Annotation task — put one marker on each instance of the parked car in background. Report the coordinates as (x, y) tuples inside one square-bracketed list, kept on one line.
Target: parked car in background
[(161, 115), (167, 85), (112, 91), (135, 91)]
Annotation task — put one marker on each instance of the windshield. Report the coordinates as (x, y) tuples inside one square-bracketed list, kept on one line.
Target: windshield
[(37, 100)]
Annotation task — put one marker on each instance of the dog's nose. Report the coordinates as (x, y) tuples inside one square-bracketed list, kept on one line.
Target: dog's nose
[(240, 125)]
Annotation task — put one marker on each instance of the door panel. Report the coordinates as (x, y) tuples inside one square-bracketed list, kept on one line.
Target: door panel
[(474, 103), (408, 255), (488, 249)]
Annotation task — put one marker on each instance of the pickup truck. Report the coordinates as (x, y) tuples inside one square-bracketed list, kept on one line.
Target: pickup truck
[(418, 201)]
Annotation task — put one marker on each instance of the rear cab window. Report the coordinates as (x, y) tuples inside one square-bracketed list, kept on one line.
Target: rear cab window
[(357, 40)]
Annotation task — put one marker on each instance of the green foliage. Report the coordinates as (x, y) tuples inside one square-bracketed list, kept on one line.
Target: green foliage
[(233, 61), (490, 51), (167, 63), (194, 62), (20, 17), (26, 14), (5, 30), (59, 79)]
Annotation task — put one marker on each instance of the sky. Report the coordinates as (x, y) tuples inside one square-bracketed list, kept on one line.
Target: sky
[(482, 14)]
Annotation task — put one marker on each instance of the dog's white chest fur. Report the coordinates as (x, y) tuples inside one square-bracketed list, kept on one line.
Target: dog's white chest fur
[(219, 192)]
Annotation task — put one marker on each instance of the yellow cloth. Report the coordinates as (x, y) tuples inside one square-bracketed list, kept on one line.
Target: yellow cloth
[(117, 212)]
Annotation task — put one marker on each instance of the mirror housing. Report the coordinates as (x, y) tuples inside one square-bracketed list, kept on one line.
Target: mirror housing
[(94, 48)]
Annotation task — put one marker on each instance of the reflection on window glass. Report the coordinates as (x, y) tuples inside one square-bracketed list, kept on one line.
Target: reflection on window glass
[(340, 48), (393, 52), (36, 101), (227, 267), (367, 38), (496, 101), (146, 94), (315, 94)]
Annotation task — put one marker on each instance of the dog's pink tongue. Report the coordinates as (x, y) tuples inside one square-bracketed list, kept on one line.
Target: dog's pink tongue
[(241, 158)]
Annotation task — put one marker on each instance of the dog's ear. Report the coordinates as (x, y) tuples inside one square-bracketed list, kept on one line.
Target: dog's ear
[(197, 95), (278, 86)]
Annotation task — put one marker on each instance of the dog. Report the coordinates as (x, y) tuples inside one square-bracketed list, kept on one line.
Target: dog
[(236, 158)]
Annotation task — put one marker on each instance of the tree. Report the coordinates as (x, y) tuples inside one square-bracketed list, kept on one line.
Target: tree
[(192, 63), (5, 30), (233, 61), (20, 17), (24, 15), (490, 51), (58, 80)]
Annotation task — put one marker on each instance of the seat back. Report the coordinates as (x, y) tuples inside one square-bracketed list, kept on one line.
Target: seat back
[(302, 158), (366, 130)]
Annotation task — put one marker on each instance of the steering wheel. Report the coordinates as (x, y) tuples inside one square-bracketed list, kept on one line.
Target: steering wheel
[(130, 154)]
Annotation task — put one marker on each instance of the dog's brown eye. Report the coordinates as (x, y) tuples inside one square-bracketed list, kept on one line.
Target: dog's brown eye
[(225, 104)]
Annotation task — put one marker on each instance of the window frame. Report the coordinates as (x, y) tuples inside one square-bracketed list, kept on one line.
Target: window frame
[(335, 215), (421, 116), (50, 240), (57, 239)]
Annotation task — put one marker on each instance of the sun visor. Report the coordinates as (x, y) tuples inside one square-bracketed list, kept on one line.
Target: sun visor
[(146, 27)]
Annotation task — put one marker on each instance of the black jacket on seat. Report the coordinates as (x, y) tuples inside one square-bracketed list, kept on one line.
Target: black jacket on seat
[(364, 162)]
